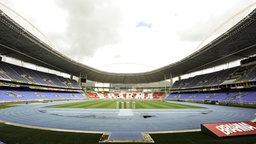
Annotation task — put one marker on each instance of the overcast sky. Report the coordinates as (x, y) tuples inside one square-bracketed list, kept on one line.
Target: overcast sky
[(128, 35)]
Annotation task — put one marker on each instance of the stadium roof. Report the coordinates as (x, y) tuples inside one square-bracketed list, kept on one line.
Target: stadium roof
[(236, 43)]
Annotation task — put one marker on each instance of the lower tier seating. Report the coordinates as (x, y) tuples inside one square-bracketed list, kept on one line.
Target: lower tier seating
[(19, 95), (233, 97)]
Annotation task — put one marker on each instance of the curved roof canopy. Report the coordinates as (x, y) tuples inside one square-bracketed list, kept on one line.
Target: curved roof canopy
[(236, 43)]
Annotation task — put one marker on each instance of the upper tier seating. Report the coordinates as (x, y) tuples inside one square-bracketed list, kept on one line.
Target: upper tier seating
[(9, 72), (228, 76)]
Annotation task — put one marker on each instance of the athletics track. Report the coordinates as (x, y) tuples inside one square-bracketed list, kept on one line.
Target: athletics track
[(122, 124)]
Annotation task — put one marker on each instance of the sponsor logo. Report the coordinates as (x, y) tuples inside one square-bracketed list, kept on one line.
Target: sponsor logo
[(235, 127), (231, 128)]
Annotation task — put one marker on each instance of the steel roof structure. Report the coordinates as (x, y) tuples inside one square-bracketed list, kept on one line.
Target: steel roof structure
[(236, 43)]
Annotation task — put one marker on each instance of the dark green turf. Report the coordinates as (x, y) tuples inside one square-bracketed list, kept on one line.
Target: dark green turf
[(139, 104), (18, 135), (200, 138)]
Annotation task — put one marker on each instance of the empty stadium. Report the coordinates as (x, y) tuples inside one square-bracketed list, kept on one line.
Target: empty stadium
[(94, 106)]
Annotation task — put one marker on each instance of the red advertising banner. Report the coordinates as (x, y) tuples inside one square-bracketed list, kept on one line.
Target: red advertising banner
[(226, 129)]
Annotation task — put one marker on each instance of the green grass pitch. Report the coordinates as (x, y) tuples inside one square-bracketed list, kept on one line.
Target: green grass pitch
[(112, 104)]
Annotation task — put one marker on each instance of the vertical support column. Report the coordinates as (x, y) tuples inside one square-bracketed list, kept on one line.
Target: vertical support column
[(82, 79), (171, 80), (165, 78)]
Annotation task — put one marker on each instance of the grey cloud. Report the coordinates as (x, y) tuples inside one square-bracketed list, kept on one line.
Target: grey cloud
[(201, 29), (91, 24), (197, 31)]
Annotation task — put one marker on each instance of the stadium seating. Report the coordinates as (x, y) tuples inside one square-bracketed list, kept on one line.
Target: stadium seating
[(9, 72), (16, 75), (228, 76), (234, 85), (225, 97), (21, 95), (125, 95)]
